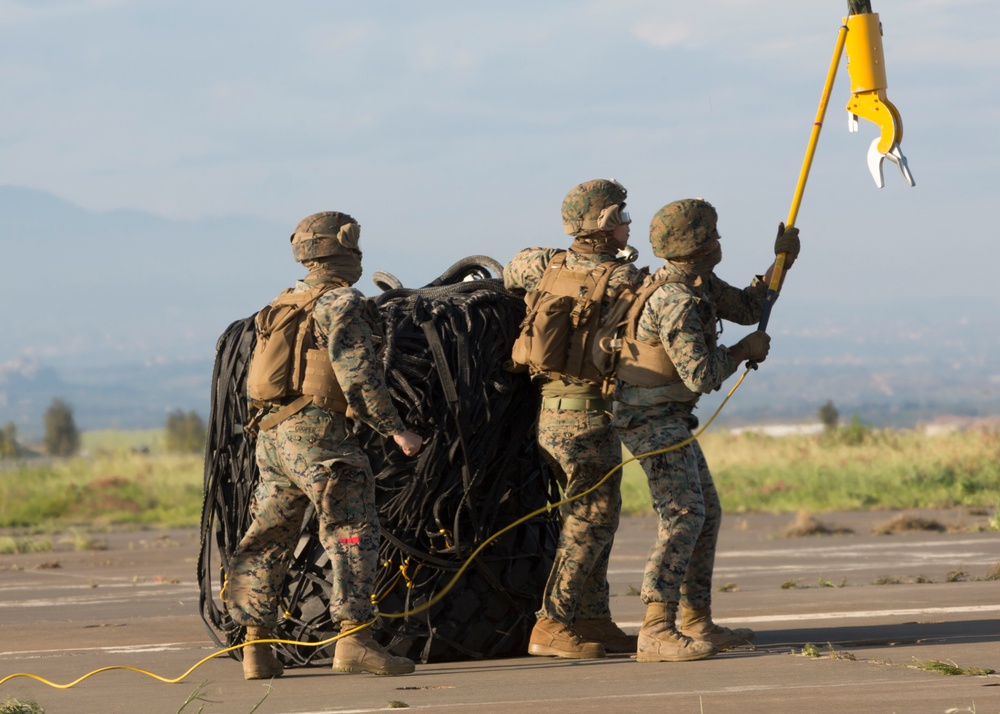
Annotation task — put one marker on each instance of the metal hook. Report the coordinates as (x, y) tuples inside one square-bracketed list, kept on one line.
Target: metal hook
[(895, 155)]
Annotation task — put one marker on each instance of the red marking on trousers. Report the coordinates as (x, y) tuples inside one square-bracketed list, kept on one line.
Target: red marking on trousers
[(353, 540)]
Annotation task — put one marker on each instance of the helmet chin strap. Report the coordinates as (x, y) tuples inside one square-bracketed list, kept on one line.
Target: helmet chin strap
[(599, 242), (628, 254)]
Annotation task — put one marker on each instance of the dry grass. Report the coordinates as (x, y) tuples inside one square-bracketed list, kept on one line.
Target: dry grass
[(855, 469), (20, 706), (807, 525), (951, 668), (906, 523), (102, 491)]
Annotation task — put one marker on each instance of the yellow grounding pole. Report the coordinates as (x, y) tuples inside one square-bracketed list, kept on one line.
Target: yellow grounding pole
[(779, 262)]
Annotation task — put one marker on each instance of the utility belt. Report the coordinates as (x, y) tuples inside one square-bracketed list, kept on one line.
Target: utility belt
[(265, 418), (576, 404)]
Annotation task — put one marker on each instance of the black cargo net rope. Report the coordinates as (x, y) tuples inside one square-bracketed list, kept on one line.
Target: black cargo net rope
[(443, 352)]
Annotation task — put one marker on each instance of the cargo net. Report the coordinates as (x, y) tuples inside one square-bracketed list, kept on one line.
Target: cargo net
[(443, 352)]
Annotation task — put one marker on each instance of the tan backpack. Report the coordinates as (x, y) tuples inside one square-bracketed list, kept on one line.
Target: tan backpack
[(563, 314), (286, 363)]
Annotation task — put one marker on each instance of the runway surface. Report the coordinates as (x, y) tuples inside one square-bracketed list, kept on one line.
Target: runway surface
[(873, 608)]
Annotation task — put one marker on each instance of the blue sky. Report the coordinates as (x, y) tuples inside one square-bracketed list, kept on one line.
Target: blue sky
[(455, 128)]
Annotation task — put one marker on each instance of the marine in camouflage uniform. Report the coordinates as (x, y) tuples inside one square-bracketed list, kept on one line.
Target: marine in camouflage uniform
[(313, 458), (574, 432), (678, 325)]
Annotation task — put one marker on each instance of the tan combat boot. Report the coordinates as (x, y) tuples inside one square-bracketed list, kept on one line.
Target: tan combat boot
[(697, 624), (550, 638), (605, 631), (659, 640), (360, 652), (258, 660)]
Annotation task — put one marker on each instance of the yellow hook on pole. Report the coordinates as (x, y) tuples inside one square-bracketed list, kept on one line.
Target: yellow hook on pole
[(866, 67)]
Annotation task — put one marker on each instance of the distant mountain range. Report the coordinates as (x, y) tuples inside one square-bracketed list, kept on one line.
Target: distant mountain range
[(118, 314)]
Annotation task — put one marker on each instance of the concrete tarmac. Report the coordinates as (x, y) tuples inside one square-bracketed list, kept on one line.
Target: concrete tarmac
[(872, 609)]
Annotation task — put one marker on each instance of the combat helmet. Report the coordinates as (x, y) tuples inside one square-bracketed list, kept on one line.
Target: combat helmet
[(682, 228), (325, 234), (593, 206)]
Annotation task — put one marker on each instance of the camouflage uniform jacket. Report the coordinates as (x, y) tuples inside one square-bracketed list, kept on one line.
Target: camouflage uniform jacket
[(679, 317), (345, 324), (523, 274)]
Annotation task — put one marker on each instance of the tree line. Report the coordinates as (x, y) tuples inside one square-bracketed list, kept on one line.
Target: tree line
[(184, 432)]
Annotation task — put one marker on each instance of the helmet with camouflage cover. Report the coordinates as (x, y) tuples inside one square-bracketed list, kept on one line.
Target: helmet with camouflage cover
[(325, 234), (682, 228), (593, 206)]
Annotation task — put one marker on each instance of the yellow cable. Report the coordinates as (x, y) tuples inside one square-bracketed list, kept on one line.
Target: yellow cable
[(200, 662)]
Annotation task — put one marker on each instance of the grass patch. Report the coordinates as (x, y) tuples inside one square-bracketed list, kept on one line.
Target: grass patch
[(796, 584), (824, 583), (887, 580), (102, 491), (865, 470), (20, 706), (81, 540), (810, 650), (951, 668), (127, 479), (198, 697), (905, 523), (807, 525), (10, 545)]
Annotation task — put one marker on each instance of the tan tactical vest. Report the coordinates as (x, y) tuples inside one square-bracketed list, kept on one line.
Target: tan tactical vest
[(287, 364), (646, 364), (563, 314)]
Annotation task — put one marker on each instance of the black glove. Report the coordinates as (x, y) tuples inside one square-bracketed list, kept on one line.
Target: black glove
[(787, 242), (756, 345)]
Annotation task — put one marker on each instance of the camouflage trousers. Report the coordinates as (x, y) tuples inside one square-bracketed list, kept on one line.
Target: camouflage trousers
[(582, 449), (308, 459), (681, 561)]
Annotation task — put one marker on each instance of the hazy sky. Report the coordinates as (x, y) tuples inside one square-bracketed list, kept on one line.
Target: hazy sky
[(453, 128)]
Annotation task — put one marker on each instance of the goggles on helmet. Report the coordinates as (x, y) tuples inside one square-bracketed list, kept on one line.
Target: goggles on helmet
[(613, 216)]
